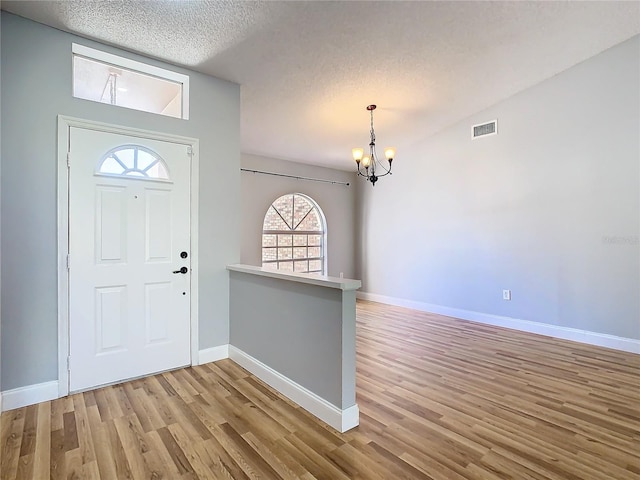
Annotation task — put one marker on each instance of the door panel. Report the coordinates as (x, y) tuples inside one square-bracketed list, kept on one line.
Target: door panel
[(129, 313), (157, 306), (110, 318), (158, 225), (111, 224)]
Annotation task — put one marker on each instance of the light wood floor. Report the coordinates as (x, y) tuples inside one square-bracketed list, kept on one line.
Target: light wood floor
[(439, 398)]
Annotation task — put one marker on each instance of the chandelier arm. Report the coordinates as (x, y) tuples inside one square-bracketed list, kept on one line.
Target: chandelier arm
[(365, 175), (386, 170), (374, 160)]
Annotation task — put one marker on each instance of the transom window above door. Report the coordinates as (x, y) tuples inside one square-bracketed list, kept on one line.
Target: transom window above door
[(294, 235), (133, 161), (106, 78)]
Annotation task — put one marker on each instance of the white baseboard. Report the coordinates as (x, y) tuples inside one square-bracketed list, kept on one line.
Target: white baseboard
[(341, 420), (213, 354), (583, 336), (24, 396), (350, 418)]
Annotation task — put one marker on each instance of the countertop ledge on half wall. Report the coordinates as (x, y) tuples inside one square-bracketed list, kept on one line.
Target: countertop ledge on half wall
[(320, 280)]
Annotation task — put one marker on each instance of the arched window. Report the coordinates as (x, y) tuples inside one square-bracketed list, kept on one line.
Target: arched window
[(294, 235), (133, 161)]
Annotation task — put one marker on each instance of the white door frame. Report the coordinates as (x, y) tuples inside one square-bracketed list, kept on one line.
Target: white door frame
[(64, 125)]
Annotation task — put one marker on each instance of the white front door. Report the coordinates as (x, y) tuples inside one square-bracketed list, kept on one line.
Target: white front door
[(129, 238)]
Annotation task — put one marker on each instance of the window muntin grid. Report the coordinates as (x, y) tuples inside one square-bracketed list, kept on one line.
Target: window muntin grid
[(293, 235), (133, 161)]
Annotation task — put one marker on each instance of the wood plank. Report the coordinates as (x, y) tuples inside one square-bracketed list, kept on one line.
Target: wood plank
[(159, 453), (99, 435), (120, 460), (188, 447), (134, 445), (42, 453), (70, 432), (73, 463), (177, 455), (58, 468), (85, 441)]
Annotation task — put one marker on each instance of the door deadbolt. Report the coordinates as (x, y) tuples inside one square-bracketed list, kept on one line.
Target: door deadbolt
[(184, 254)]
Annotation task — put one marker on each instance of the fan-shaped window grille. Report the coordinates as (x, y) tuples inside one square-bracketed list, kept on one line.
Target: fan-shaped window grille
[(294, 235), (133, 161)]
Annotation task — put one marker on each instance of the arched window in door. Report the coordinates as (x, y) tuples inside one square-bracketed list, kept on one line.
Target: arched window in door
[(133, 161), (294, 235)]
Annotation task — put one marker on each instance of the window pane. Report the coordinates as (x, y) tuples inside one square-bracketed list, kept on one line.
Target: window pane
[(268, 254), (314, 252), (111, 165), (301, 208), (158, 170), (126, 156), (301, 266), (315, 265), (272, 221), (300, 252), (268, 240), (311, 223), (272, 266), (285, 253), (285, 240), (315, 239), (284, 206), (300, 240), (286, 266), (145, 160)]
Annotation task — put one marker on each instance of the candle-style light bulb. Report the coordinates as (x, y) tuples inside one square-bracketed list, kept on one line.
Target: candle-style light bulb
[(390, 153)]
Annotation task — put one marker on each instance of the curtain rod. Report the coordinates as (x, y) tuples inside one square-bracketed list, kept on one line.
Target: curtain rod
[(333, 182)]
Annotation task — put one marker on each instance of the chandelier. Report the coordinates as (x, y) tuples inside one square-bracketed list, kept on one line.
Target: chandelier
[(372, 166)]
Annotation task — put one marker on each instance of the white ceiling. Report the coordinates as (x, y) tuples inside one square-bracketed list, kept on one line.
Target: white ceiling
[(308, 69)]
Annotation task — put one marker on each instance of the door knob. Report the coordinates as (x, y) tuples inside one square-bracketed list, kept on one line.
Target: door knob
[(183, 270)]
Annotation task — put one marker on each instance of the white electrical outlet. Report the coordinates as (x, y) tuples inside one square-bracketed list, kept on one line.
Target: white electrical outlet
[(506, 294)]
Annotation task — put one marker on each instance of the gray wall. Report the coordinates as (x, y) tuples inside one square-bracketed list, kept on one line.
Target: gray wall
[(0, 243), (336, 201), (36, 87), (304, 332), (548, 208)]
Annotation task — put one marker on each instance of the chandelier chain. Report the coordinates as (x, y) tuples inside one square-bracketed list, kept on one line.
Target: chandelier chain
[(373, 133)]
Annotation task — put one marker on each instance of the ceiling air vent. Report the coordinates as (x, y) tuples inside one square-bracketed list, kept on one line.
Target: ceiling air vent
[(484, 129)]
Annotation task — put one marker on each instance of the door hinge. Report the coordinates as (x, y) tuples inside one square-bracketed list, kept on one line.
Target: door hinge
[(69, 363), (68, 262), (68, 159), (190, 150)]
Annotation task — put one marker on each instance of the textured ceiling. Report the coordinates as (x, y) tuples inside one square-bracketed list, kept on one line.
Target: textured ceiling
[(308, 69)]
